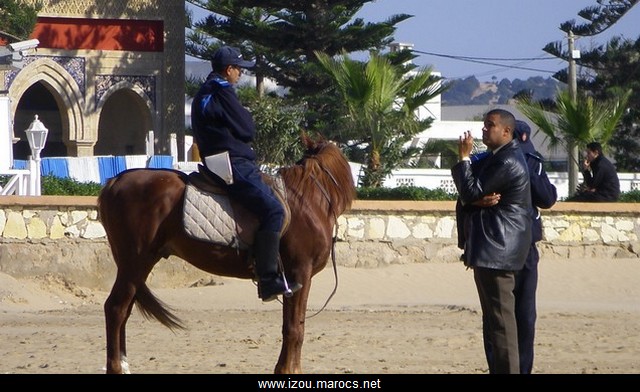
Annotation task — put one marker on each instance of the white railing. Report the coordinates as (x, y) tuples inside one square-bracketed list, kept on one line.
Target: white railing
[(441, 178), (425, 178), (18, 184)]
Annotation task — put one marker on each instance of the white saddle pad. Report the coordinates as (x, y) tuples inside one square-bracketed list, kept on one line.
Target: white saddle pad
[(209, 217)]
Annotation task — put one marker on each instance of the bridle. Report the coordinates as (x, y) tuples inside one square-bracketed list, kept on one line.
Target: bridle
[(335, 234)]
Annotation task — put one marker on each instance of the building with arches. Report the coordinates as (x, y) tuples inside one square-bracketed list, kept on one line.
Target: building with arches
[(105, 74)]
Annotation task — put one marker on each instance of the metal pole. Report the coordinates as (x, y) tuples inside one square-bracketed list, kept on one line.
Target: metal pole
[(574, 158)]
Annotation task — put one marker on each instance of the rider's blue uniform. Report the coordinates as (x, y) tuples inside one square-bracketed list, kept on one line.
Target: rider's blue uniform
[(220, 123)]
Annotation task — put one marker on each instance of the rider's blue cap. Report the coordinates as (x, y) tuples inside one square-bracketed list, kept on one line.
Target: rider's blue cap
[(228, 55)]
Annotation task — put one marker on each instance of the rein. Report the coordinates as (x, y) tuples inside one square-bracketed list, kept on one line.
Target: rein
[(335, 235)]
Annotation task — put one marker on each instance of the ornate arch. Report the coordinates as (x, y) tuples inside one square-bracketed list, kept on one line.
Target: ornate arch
[(64, 89), (111, 85), (123, 83), (113, 92)]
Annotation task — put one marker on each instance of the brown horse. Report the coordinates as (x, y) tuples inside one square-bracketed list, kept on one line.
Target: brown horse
[(141, 211)]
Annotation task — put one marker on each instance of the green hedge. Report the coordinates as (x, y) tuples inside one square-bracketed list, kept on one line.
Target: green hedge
[(52, 185), (417, 193), (56, 186), (630, 197), (67, 187), (404, 193)]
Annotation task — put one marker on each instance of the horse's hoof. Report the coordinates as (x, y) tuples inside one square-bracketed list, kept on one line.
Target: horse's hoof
[(125, 365)]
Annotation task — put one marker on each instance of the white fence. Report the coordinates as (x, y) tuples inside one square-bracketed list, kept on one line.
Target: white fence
[(99, 169), (441, 178)]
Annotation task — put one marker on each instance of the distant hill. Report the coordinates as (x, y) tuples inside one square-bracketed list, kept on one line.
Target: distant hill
[(467, 91), (470, 91)]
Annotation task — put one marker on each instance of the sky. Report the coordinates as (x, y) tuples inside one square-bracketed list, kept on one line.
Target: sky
[(490, 29), (494, 29)]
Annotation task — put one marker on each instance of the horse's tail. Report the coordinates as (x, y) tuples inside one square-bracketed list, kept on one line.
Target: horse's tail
[(152, 308)]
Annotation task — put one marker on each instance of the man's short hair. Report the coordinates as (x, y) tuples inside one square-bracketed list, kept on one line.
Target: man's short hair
[(595, 146), (506, 117)]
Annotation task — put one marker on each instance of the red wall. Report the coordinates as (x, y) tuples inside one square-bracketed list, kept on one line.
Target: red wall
[(100, 34)]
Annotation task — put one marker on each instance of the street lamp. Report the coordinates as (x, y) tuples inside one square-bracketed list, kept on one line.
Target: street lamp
[(37, 137)]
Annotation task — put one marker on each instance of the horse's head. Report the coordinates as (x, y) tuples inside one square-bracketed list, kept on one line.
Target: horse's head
[(312, 146), (319, 146), (327, 167)]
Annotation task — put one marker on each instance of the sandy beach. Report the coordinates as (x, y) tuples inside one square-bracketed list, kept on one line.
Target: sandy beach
[(402, 319)]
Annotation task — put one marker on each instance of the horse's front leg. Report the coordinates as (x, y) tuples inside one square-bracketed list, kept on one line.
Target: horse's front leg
[(293, 319)]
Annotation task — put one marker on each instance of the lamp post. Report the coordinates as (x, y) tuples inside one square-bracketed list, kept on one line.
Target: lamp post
[(37, 137)]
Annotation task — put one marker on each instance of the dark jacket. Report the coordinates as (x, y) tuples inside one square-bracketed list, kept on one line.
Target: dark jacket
[(500, 236), (603, 178), (463, 212), (220, 122), (543, 192)]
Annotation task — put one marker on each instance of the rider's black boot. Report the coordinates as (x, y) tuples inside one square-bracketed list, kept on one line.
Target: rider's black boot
[(270, 282)]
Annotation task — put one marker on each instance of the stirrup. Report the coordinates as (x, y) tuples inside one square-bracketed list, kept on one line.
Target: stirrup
[(288, 292), (281, 285)]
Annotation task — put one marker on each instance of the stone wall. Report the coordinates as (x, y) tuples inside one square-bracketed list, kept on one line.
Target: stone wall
[(63, 236)]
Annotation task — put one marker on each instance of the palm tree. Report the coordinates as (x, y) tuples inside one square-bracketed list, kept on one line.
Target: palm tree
[(576, 123), (381, 103)]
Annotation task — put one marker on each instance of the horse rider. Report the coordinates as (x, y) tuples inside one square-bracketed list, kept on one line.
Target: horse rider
[(221, 124)]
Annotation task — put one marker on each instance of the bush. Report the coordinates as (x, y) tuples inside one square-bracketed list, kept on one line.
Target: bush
[(630, 197), (404, 193), (56, 186), (424, 194), (52, 185)]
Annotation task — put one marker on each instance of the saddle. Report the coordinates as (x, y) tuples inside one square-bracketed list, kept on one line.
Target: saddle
[(209, 214)]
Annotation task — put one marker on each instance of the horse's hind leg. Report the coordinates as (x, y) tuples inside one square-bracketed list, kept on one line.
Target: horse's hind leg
[(117, 309), (123, 341)]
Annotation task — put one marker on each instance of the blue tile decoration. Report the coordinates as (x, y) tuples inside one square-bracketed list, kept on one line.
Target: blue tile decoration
[(74, 65), (146, 83)]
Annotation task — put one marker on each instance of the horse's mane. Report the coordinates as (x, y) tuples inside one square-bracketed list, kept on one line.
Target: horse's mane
[(322, 173)]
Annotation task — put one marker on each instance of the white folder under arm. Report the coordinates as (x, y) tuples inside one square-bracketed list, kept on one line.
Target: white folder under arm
[(220, 165)]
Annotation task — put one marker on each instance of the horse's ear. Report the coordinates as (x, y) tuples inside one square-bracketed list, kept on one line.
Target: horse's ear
[(306, 140)]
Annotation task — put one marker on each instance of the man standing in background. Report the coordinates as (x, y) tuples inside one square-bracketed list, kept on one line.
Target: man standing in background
[(499, 236), (543, 195)]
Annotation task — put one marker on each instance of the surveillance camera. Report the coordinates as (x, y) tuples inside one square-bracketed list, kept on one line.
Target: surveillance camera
[(24, 45)]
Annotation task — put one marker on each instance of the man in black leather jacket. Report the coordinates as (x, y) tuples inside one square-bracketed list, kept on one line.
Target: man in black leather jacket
[(543, 195), (499, 235)]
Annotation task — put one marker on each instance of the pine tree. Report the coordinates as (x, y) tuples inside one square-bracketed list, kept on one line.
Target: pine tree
[(283, 37), (17, 20), (608, 67)]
